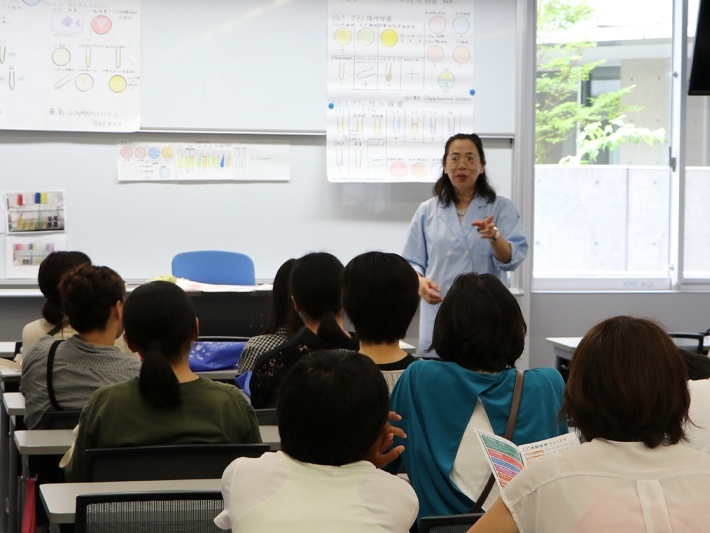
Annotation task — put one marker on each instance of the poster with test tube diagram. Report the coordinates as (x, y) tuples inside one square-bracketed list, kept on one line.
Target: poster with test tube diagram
[(200, 161), (24, 254), (35, 211), (70, 66), (400, 83)]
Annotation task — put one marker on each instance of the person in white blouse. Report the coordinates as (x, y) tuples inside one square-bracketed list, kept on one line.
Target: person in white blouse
[(627, 395)]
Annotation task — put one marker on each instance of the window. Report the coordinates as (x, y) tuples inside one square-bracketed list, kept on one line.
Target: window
[(605, 205)]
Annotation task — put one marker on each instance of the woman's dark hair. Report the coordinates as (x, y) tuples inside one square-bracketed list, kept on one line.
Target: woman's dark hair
[(332, 406), (159, 322), (443, 188), (50, 272), (380, 296), (627, 383), (479, 324), (315, 285), (88, 294), (282, 311)]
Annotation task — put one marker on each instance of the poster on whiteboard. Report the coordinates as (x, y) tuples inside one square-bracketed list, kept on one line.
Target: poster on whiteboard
[(400, 83)]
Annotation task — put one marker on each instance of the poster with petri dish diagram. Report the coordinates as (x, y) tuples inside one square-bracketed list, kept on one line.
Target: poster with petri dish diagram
[(400, 83), (70, 66)]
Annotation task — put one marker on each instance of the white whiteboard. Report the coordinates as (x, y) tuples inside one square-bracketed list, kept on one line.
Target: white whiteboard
[(260, 65)]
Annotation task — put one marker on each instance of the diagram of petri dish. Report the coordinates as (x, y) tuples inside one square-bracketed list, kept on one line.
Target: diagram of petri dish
[(167, 152), (398, 169), (446, 80), (435, 53), (436, 169), (126, 152), (32, 2), (461, 25), (389, 37), (154, 152), (462, 54), (61, 56), (366, 36), (141, 152), (437, 24), (343, 36), (117, 83), (101, 24), (419, 170), (84, 82)]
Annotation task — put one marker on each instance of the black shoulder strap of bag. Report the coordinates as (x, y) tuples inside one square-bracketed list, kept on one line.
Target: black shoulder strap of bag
[(514, 407), (50, 366)]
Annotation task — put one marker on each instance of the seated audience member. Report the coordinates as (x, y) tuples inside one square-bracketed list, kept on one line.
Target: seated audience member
[(697, 430), (92, 297), (380, 297), (315, 289), (479, 333), (627, 395), (168, 403), (283, 321), (53, 321), (333, 411)]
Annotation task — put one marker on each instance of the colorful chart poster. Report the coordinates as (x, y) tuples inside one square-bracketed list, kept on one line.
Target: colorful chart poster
[(33, 211), (400, 83), (202, 161), (24, 254), (70, 66)]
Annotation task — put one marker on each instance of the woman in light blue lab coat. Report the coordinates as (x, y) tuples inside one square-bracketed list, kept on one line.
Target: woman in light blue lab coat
[(465, 227)]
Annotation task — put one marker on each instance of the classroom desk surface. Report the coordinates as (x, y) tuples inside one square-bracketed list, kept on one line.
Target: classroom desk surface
[(13, 403), (7, 349), (8, 375), (59, 499), (58, 441)]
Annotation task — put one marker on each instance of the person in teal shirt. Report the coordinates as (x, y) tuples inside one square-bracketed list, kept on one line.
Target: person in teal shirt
[(479, 333)]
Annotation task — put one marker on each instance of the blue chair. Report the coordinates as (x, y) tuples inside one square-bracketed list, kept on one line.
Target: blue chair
[(215, 266)]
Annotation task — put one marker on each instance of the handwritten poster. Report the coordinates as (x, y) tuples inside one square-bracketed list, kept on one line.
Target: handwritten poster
[(400, 83), (70, 66), (203, 161)]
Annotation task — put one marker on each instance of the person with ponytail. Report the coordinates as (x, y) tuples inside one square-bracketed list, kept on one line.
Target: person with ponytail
[(167, 403), (315, 291), (63, 373)]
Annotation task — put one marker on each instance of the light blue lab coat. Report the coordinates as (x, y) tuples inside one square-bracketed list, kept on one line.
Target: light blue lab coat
[(440, 248)]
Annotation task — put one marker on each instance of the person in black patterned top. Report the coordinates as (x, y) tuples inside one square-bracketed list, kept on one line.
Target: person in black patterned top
[(315, 289), (283, 322)]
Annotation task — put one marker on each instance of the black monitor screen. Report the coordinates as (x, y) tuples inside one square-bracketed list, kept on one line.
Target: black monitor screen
[(700, 71)]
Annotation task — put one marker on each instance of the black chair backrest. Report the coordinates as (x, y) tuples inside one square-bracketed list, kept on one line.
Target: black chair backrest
[(266, 416), (148, 512), (65, 419), (695, 341), (178, 461), (457, 523)]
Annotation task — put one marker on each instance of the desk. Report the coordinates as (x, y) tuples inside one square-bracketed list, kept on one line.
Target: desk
[(563, 348), (226, 374), (59, 499), (9, 379), (7, 349)]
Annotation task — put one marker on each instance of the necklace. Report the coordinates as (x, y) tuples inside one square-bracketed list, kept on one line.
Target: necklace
[(461, 213)]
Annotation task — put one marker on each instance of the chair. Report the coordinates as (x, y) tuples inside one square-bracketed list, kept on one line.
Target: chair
[(214, 266), (65, 419), (179, 461), (266, 417), (697, 341), (457, 523), (148, 512)]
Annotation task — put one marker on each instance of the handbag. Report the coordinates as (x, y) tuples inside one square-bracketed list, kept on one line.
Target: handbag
[(50, 366), (514, 406), (215, 355)]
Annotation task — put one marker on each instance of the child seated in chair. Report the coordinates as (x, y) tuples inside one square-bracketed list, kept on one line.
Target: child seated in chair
[(333, 420)]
